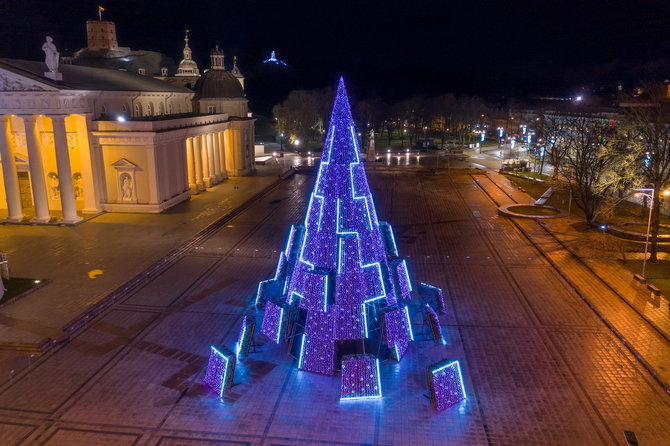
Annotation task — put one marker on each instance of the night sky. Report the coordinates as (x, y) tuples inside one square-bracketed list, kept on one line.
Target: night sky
[(390, 48)]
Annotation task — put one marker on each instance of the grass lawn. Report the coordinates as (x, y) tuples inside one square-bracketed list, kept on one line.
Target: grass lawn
[(642, 228), (16, 286), (658, 273), (560, 198)]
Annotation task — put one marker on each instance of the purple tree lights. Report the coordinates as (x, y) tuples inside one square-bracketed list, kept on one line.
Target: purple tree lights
[(340, 270), (445, 384), (220, 369), (360, 377), (341, 288)]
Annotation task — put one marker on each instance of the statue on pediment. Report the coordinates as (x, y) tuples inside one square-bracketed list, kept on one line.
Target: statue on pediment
[(51, 54)]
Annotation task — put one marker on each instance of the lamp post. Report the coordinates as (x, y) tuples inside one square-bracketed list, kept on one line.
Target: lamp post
[(649, 192)]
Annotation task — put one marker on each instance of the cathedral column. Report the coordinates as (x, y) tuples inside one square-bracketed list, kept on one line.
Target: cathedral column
[(215, 158), (89, 157), (212, 160), (11, 180), (190, 166), (222, 154), (67, 200), (36, 165), (204, 148), (197, 151)]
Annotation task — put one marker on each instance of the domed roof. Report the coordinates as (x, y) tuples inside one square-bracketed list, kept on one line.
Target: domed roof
[(218, 84)]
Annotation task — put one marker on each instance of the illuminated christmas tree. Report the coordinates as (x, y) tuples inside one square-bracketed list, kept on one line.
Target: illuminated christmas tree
[(340, 286)]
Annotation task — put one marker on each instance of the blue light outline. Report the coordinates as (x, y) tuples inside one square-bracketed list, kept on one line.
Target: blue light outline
[(353, 138), (239, 343), (395, 247), (365, 320), (302, 351), (379, 386), (281, 320), (290, 240), (409, 323), (294, 293), (460, 374), (225, 370), (325, 294), (409, 282), (258, 290)]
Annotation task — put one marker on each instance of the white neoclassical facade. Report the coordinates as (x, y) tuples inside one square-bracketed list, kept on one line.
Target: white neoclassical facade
[(108, 140)]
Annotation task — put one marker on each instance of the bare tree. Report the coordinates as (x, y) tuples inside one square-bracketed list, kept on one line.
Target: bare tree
[(555, 132), (650, 130), (598, 163)]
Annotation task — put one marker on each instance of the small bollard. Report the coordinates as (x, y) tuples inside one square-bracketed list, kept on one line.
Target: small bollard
[(631, 438)]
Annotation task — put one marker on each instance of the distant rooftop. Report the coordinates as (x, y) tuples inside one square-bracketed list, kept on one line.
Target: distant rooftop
[(87, 78)]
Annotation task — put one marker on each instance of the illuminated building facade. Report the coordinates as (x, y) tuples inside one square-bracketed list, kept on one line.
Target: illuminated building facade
[(109, 140)]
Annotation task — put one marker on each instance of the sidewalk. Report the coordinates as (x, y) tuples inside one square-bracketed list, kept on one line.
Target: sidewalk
[(119, 245), (640, 319)]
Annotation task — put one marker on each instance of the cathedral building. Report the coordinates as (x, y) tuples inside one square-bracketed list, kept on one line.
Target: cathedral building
[(78, 139)]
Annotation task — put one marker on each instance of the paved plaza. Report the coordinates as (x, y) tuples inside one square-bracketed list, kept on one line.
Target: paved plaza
[(542, 356)]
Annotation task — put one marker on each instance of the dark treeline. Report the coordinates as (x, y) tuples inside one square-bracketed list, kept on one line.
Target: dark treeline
[(304, 114)]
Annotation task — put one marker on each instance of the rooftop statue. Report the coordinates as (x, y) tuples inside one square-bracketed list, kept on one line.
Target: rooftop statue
[(50, 55)]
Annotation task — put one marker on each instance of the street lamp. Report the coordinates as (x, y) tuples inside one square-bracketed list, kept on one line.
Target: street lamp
[(648, 192)]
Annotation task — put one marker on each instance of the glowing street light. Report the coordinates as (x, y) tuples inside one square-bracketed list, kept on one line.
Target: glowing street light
[(649, 192)]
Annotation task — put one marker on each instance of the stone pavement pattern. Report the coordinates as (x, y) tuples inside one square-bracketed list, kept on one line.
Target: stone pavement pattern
[(120, 245), (640, 318), (540, 367)]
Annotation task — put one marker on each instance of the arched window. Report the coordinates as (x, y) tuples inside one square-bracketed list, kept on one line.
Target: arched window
[(170, 108), (138, 109), (124, 110), (150, 109), (161, 109), (103, 110)]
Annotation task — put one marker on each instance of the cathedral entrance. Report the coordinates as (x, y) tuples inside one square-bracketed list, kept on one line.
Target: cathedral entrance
[(25, 192)]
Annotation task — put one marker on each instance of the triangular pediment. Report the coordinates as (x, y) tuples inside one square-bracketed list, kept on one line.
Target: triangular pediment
[(124, 164), (11, 81)]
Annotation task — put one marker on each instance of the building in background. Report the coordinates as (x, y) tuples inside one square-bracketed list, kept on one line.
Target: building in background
[(115, 140)]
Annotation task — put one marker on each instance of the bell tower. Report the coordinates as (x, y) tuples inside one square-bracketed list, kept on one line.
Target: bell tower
[(216, 57)]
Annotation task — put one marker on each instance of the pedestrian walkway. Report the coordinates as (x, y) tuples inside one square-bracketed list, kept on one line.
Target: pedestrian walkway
[(119, 245), (640, 320)]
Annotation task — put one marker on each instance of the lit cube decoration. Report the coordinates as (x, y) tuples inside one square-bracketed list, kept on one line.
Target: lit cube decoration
[(360, 377), (432, 293), (220, 369), (445, 384), (273, 321), (434, 324)]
